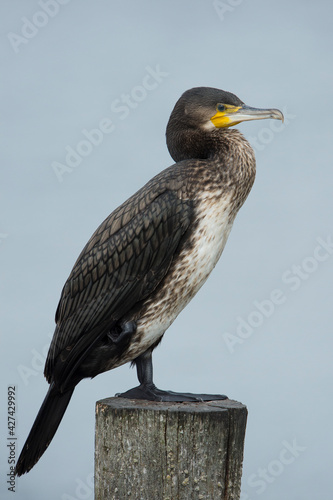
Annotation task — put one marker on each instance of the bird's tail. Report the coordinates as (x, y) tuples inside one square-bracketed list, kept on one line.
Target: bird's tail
[(44, 428)]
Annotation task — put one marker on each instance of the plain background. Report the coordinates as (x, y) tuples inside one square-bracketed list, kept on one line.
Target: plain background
[(65, 79)]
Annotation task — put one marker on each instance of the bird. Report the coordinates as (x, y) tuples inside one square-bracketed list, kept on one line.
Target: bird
[(149, 258)]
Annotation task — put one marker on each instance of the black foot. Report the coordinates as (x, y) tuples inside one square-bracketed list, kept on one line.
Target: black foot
[(151, 393)]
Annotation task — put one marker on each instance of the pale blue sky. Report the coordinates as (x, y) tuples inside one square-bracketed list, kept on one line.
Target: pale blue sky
[(260, 329)]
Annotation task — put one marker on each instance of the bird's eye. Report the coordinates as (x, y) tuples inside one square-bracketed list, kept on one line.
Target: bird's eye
[(220, 107)]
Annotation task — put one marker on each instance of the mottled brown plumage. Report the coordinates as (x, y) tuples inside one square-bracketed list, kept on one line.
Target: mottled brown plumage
[(148, 259)]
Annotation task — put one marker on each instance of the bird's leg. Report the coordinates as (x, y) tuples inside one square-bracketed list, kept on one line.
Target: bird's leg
[(148, 390)]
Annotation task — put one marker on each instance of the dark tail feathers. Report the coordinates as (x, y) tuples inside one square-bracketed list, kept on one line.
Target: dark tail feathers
[(43, 429)]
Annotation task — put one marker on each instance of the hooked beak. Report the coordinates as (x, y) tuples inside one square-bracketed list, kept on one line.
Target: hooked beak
[(232, 115)]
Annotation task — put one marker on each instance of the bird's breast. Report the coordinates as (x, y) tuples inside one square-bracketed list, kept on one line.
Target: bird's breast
[(201, 249)]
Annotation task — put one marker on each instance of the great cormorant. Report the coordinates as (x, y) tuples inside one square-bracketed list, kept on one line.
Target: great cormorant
[(148, 259)]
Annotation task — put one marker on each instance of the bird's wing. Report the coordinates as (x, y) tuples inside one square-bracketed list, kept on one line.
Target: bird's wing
[(123, 262)]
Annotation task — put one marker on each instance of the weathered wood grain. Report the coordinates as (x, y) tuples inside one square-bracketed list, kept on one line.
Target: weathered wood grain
[(168, 451)]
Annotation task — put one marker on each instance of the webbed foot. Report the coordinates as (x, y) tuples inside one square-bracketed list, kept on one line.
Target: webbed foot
[(148, 390), (151, 393)]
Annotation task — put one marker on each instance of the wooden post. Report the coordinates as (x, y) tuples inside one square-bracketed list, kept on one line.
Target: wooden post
[(168, 451)]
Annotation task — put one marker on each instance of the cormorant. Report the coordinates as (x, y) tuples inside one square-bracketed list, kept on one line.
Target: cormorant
[(148, 259)]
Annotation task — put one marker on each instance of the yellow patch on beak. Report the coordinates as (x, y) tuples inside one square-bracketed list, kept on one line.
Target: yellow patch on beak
[(224, 118)]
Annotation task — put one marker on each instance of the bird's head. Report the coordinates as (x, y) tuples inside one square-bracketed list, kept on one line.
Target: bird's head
[(207, 109), (213, 108)]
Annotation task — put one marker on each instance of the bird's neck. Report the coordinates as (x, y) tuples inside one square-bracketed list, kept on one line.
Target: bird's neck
[(226, 150), (227, 145)]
